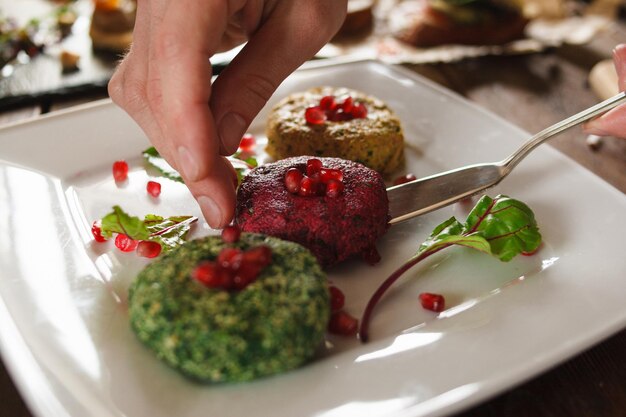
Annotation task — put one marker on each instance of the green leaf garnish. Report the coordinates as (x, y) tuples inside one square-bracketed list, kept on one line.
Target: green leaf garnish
[(118, 221), (508, 226), (153, 158), (246, 157), (502, 227), (169, 232), (242, 162)]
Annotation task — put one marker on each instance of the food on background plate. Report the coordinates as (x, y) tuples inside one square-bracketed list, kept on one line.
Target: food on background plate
[(112, 24), (31, 38), (336, 122), (69, 61), (232, 311), (427, 23), (66, 17), (336, 208)]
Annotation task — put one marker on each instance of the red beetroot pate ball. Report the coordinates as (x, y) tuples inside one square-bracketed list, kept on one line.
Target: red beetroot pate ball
[(333, 227)]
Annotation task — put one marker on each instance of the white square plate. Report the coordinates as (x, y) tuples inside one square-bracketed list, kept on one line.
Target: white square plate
[(64, 330)]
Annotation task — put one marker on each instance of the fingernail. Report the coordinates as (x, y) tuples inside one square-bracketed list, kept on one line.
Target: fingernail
[(211, 211), (187, 164), (231, 130)]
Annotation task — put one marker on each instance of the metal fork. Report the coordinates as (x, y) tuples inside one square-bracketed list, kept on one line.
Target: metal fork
[(431, 193)]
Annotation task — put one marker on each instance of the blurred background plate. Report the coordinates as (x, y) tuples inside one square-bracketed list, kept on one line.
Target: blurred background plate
[(41, 78)]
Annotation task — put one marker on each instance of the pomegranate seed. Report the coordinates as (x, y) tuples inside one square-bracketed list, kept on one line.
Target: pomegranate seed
[(246, 274), (209, 274), (337, 298), (96, 231), (125, 243), (314, 115), (313, 166), (330, 114), (148, 249), (327, 103), (247, 143), (239, 282), (327, 174), (293, 178), (340, 116), (433, 302), (308, 187), (315, 177), (231, 233), (334, 188), (359, 111), (347, 104), (233, 268), (153, 188), (230, 258), (342, 323), (371, 255), (404, 179), (261, 255), (249, 270), (120, 170)]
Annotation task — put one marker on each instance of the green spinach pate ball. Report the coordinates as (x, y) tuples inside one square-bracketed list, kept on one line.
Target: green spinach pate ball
[(273, 325)]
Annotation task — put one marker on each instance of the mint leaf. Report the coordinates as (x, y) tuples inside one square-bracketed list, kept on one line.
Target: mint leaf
[(119, 221), (169, 232), (502, 227)]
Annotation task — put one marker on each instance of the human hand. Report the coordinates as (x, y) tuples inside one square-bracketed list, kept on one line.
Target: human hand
[(613, 123), (164, 82)]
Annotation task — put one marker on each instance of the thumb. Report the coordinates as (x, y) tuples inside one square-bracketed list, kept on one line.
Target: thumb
[(290, 35)]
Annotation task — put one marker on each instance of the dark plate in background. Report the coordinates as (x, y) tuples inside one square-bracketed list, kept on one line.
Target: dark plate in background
[(41, 79)]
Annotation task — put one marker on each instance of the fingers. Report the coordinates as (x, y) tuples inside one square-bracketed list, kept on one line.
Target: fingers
[(166, 92), (292, 33), (216, 194), (613, 123), (181, 73), (127, 87), (619, 57), (165, 81), (185, 40)]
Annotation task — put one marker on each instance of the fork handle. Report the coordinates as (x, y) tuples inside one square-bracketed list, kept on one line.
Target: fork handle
[(511, 162)]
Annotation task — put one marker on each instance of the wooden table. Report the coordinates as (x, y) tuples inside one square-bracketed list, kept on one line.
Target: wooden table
[(532, 91)]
